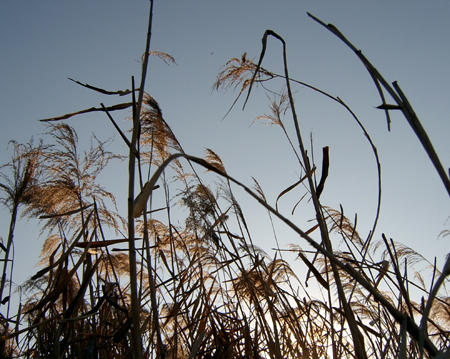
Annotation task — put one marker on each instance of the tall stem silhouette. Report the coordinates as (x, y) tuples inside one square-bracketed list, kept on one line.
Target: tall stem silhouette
[(135, 303)]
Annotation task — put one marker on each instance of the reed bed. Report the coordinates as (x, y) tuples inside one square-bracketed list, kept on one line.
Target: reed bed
[(183, 277)]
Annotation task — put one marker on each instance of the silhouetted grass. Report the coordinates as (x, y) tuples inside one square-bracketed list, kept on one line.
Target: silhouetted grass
[(192, 281)]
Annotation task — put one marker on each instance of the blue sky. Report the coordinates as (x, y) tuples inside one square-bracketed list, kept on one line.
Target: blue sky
[(100, 43)]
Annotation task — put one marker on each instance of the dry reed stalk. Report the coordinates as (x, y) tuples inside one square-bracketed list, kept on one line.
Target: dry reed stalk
[(206, 289), (135, 301), (319, 216), (344, 267)]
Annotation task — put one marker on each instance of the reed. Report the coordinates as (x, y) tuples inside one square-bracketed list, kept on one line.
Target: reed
[(183, 276)]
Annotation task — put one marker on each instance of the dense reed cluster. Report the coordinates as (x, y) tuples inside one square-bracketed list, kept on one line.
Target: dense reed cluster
[(183, 277)]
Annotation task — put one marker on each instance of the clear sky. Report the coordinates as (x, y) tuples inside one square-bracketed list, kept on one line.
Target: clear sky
[(100, 42)]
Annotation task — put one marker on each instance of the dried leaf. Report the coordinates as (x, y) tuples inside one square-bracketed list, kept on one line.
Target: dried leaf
[(313, 269), (120, 106), (290, 188), (105, 243), (386, 106), (105, 92), (66, 213)]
